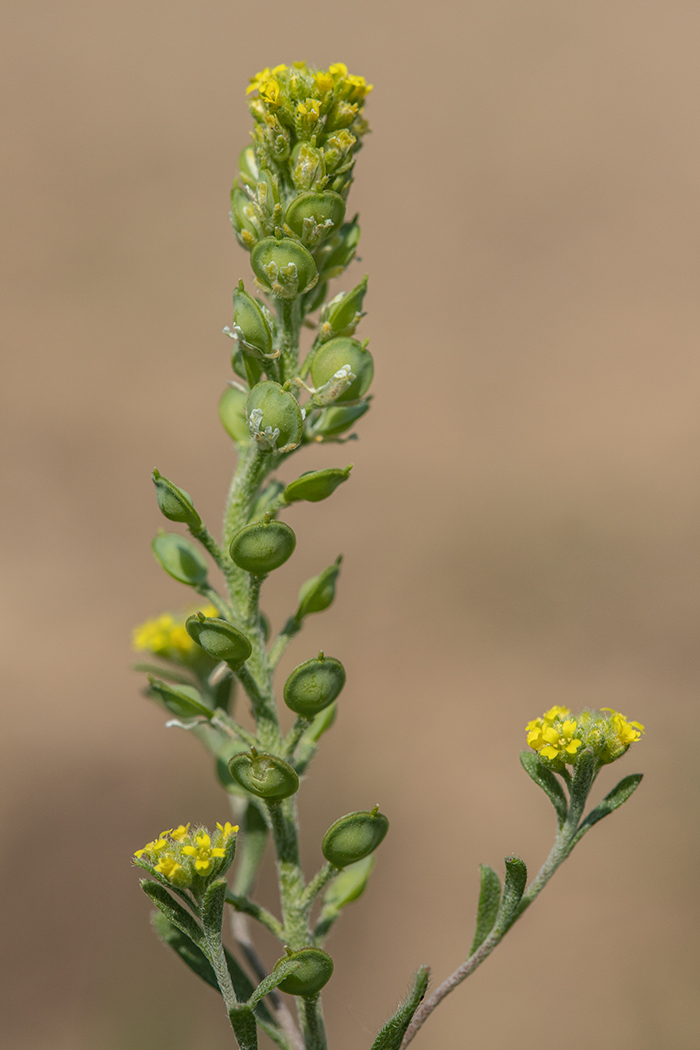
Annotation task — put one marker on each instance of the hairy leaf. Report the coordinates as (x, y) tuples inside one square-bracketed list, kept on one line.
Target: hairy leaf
[(544, 778), (173, 911), (513, 889), (243, 1023), (391, 1035), (489, 900), (619, 794)]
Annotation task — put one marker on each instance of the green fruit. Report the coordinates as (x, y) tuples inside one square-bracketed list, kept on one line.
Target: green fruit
[(353, 837), (316, 485), (179, 558), (337, 251), (336, 420), (317, 593), (250, 324), (284, 267), (270, 409), (184, 701), (309, 213), (314, 685), (265, 776), (232, 414), (219, 639), (344, 351), (343, 313), (315, 971), (175, 503), (263, 546)]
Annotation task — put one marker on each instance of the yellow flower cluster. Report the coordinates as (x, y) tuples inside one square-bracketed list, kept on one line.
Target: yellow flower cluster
[(270, 83), (165, 635), (558, 737), (180, 855)]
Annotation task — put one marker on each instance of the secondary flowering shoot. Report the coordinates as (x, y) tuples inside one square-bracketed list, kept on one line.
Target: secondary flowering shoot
[(558, 737), (184, 858)]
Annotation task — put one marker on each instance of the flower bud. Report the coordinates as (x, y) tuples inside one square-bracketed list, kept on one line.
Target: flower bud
[(284, 267), (183, 702), (263, 546), (335, 355), (308, 167), (316, 485), (336, 420), (315, 971), (274, 417), (342, 314), (314, 685), (175, 503), (253, 329), (232, 414), (179, 558), (318, 592), (337, 251), (243, 219), (265, 776), (353, 837), (219, 638), (313, 215)]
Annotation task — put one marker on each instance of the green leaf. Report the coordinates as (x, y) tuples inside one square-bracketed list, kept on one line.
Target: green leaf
[(613, 800), (213, 909), (251, 850), (282, 970), (585, 773), (183, 702), (489, 900), (544, 778), (174, 912), (243, 1024), (164, 672), (391, 1035), (513, 889)]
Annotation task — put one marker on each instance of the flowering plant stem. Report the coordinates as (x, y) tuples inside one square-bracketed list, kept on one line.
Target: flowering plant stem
[(288, 211)]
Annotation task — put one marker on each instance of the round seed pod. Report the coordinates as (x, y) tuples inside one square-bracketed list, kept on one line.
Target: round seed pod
[(283, 267), (219, 638), (179, 558), (353, 837), (248, 232), (248, 169), (309, 212), (232, 414), (280, 411), (254, 330), (263, 546), (175, 503), (316, 485), (315, 971), (344, 351), (265, 776), (336, 420), (318, 593), (314, 685)]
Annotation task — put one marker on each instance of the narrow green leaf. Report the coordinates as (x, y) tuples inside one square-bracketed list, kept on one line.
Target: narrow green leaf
[(243, 1024), (282, 970), (213, 909), (584, 774), (544, 778), (489, 900), (619, 794), (174, 912), (164, 672), (391, 1035), (513, 889), (251, 849)]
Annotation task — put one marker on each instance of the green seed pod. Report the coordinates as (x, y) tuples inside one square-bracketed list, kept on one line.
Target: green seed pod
[(353, 837), (219, 639), (314, 215), (314, 685), (263, 546), (318, 592), (315, 971), (248, 169), (349, 885), (179, 558), (243, 219), (252, 328), (337, 353), (336, 420), (316, 485), (184, 701), (175, 503), (284, 267), (264, 775), (343, 313), (232, 414), (274, 417), (337, 251)]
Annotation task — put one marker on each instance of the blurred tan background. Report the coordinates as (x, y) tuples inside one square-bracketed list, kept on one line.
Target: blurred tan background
[(521, 527)]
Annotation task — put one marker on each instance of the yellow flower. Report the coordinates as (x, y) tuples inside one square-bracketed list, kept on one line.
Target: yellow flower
[(338, 69), (324, 81), (261, 78), (171, 869), (556, 713), (270, 90), (165, 635), (203, 853), (227, 830), (559, 739), (359, 88), (310, 108), (179, 834), (626, 732), (153, 847)]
